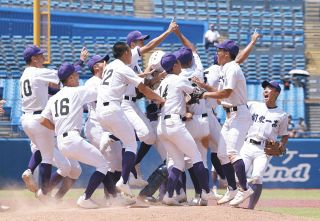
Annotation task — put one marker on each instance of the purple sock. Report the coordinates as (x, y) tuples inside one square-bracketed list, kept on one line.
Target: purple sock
[(109, 184), (66, 185), (229, 173), (134, 172), (172, 180), (128, 159), (184, 182), (194, 180), (162, 190), (254, 198), (95, 180), (240, 170), (45, 174), (116, 176), (143, 150), (217, 165), (35, 160), (202, 176), (179, 184), (54, 180)]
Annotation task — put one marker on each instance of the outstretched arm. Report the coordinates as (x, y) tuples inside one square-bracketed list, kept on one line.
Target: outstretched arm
[(244, 54), (156, 41), (47, 123), (185, 41)]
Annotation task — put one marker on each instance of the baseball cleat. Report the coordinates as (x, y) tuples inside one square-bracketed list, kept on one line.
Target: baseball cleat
[(137, 182), (228, 196), (208, 196), (86, 203), (241, 196), (124, 188), (4, 208), (216, 194), (197, 201), (182, 197), (44, 198), (28, 179), (170, 201), (123, 200)]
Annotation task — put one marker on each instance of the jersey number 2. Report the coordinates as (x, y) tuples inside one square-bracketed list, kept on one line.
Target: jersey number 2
[(107, 77), (64, 108)]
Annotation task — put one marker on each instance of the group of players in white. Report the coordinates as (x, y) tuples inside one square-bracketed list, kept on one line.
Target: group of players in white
[(180, 130)]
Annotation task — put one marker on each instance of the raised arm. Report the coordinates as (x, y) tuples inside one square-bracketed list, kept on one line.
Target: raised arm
[(156, 41), (244, 54), (185, 41)]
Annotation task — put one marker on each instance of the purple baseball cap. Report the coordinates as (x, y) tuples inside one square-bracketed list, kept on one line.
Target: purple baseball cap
[(167, 62), (273, 84), (95, 59), (184, 55), (66, 69), (136, 35), (32, 50), (229, 46)]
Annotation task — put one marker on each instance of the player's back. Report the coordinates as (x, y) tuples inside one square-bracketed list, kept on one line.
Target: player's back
[(66, 107), (34, 87), (94, 82)]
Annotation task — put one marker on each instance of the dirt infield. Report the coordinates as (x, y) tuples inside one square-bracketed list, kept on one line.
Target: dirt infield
[(33, 210)]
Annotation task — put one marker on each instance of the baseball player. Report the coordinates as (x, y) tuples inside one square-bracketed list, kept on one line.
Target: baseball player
[(2, 102), (116, 77), (63, 113), (33, 83), (112, 150), (136, 117), (175, 137), (232, 93), (269, 122)]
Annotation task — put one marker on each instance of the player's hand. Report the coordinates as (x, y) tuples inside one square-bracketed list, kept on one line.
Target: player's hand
[(255, 36), (162, 75), (2, 102), (198, 82), (173, 27), (188, 116), (84, 54), (147, 72)]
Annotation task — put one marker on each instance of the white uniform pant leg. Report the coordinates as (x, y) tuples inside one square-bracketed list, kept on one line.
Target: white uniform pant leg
[(66, 167), (77, 148), (215, 132), (236, 128), (114, 156), (41, 136), (222, 147), (159, 145), (203, 151), (175, 156), (117, 123), (175, 131), (260, 164), (139, 121), (93, 132)]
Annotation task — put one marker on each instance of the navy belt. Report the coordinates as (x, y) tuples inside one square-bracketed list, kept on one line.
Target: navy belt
[(169, 116), (204, 115), (128, 98), (35, 112), (65, 134), (254, 142), (106, 103), (230, 109)]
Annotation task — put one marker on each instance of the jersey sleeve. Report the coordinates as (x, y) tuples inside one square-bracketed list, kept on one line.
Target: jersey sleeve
[(132, 78), (49, 75), (136, 56), (231, 78), (87, 94), (283, 127), (46, 113), (185, 85), (197, 62)]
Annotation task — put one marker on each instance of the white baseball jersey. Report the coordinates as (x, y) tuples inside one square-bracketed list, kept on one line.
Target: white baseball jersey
[(92, 82), (116, 77), (173, 89), (196, 70), (136, 56), (267, 123), (34, 87), (213, 78), (233, 78), (65, 108)]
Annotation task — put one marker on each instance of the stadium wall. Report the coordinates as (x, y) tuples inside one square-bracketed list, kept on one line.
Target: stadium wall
[(20, 22), (299, 168)]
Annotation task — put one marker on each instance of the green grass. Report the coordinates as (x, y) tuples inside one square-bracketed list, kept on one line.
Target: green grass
[(291, 194), (296, 211)]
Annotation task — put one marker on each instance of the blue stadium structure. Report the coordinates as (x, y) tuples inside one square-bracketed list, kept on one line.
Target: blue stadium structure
[(102, 23)]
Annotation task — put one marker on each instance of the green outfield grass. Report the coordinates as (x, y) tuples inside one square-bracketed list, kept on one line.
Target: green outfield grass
[(291, 194), (296, 211)]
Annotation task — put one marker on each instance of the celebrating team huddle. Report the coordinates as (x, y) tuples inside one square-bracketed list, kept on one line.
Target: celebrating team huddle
[(180, 123)]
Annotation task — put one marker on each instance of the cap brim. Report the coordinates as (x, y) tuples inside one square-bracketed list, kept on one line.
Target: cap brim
[(42, 51), (106, 58), (144, 37), (220, 46)]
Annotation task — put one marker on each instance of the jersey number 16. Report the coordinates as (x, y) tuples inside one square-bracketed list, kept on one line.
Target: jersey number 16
[(61, 107)]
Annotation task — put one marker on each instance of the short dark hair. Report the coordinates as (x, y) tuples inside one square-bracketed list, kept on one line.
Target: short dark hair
[(119, 49)]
